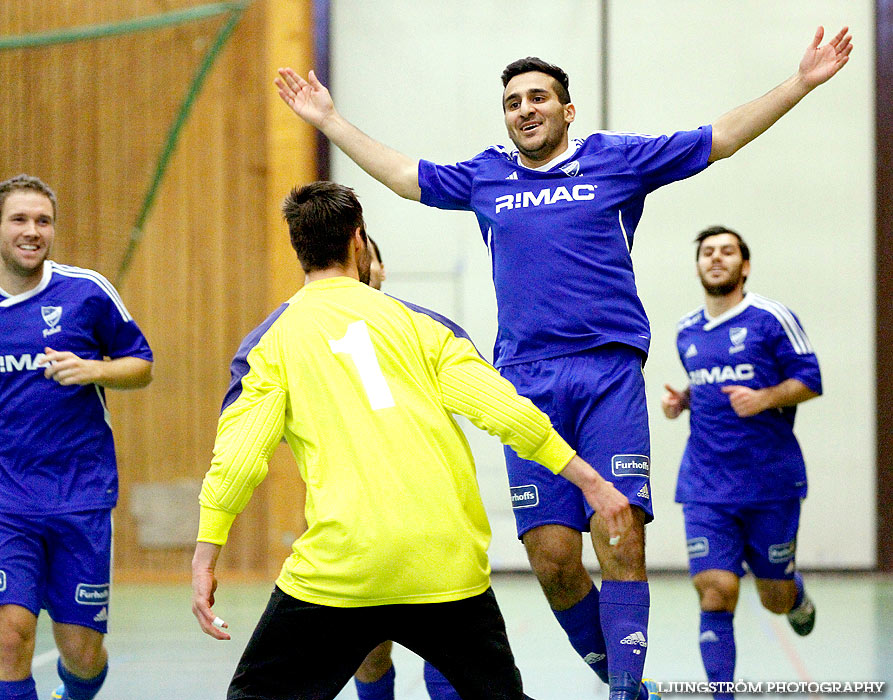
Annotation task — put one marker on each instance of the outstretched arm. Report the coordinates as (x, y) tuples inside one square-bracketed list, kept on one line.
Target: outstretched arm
[(311, 101), (743, 124)]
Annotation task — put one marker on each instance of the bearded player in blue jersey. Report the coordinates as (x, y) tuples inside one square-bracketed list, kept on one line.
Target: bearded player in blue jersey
[(558, 217), (742, 476), (65, 337)]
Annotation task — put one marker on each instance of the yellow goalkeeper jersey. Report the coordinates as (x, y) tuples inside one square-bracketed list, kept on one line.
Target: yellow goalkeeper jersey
[(364, 387)]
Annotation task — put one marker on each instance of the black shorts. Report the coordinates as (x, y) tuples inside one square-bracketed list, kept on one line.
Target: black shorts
[(303, 651)]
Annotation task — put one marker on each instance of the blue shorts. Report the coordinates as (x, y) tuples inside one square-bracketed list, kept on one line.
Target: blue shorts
[(596, 401), (61, 563), (764, 535)]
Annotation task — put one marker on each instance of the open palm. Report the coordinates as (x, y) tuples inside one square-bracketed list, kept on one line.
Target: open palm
[(309, 99), (820, 63)]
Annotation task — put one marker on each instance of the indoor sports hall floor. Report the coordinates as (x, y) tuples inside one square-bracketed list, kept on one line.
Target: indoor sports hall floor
[(158, 652)]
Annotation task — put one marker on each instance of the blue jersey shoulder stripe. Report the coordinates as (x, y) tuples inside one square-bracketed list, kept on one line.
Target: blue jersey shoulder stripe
[(689, 319), (239, 367), (457, 330), (98, 280), (796, 334)]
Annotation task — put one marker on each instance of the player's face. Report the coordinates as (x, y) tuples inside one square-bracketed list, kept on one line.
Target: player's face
[(720, 266), (377, 274), (27, 229), (536, 121)]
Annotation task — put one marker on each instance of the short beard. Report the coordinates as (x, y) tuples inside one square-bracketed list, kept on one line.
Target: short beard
[(720, 290)]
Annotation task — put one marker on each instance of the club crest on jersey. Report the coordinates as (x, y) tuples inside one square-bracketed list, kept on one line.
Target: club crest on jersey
[(2, 580), (736, 337), (545, 196), (630, 465), (571, 169), (92, 594), (51, 316), (525, 496)]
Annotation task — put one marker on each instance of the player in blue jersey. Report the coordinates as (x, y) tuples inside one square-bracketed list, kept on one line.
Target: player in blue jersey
[(742, 477), (558, 217), (65, 337)]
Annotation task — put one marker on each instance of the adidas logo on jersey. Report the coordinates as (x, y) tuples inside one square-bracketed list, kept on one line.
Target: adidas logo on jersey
[(708, 636), (101, 616), (513, 176), (644, 493), (635, 638), (523, 200), (692, 351), (592, 658)]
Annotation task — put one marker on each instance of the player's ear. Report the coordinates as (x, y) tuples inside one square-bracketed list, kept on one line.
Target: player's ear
[(570, 113)]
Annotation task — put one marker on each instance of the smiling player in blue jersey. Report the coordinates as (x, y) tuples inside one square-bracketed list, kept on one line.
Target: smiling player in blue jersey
[(742, 476), (558, 217), (59, 325)]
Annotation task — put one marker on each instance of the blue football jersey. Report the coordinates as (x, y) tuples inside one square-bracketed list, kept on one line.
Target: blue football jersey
[(728, 459), (56, 448), (560, 235)]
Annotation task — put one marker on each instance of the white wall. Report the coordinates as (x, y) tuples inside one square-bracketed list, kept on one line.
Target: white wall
[(423, 77)]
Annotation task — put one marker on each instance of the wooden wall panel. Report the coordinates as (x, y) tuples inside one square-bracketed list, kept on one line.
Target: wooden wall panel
[(90, 118)]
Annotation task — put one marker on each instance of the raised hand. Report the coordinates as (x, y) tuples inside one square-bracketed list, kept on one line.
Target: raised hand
[(820, 63), (309, 99)]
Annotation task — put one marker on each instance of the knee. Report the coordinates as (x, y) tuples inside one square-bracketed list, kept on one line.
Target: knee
[(16, 645), (777, 599), (84, 656), (556, 567), (717, 593)]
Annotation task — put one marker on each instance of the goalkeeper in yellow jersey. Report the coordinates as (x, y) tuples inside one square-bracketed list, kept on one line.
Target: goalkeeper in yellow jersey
[(363, 388)]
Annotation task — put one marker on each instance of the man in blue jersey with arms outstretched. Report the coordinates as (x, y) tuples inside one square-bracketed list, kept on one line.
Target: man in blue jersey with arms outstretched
[(558, 217), (742, 477), (66, 336)]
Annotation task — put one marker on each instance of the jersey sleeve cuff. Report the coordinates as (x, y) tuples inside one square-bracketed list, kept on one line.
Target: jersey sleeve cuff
[(554, 453), (214, 525)]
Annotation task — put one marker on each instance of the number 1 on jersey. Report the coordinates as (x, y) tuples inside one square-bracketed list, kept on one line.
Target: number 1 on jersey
[(357, 343)]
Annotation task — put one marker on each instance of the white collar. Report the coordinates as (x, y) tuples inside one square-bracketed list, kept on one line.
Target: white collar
[(726, 315), (571, 149), (10, 299)]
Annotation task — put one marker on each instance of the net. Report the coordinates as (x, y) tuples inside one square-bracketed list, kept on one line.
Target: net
[(94, 104)]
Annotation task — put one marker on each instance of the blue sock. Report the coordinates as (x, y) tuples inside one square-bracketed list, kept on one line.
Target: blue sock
[(77, 688), (798, 581), (438, 686), (583, 626), (382, 689), (624, 612), (18, 690), (717, 642)]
